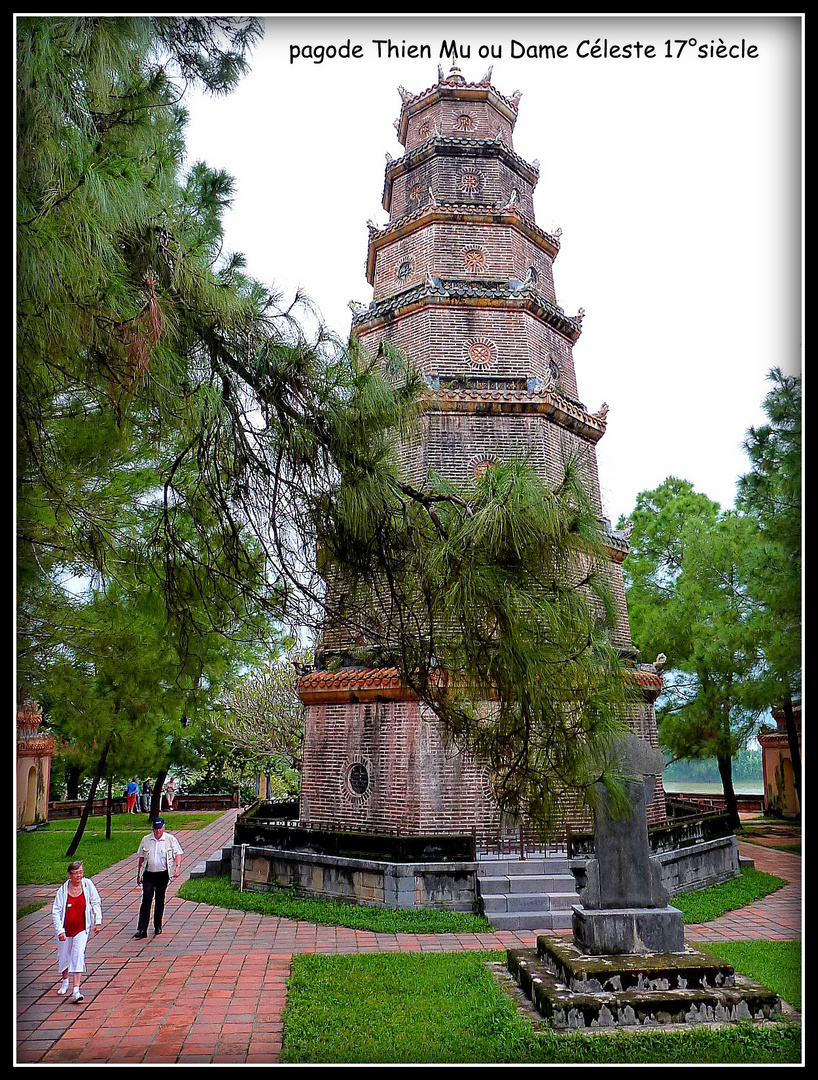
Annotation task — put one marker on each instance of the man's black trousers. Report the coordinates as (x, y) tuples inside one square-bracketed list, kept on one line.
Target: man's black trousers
[(153, 882)]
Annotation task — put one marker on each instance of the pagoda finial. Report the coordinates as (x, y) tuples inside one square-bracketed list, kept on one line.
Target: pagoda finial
[(455, 75)]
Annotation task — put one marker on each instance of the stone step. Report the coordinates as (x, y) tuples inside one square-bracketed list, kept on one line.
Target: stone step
[(530, 920), (527, 894), (531, 883), (214, 865), (550, 865)]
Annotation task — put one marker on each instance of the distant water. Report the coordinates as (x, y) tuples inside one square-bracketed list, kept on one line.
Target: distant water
[(748, 787)]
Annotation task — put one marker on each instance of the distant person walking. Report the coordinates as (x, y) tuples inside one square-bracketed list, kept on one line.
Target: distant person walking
[(132, 792), (76, 910), (160, 854), (146, 796)]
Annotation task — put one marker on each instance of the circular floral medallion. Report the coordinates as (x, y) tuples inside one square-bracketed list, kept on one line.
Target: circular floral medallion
[(404, 270), (475, 260), (469, 182), (481, 352), (416, 191), (464, 122)]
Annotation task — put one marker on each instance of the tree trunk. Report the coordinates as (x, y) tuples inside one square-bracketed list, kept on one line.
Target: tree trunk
[(89, 802), (726, 773), (72, 783), (156, 794), (108, 808)]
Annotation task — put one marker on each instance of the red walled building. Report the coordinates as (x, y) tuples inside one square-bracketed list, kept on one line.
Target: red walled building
[(463, 281)]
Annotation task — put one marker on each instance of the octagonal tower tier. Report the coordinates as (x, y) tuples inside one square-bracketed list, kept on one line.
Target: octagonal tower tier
[(463, 284)]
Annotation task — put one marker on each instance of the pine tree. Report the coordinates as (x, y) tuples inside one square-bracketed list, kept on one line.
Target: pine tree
[(771, 494), (687, 580), (180, 436)]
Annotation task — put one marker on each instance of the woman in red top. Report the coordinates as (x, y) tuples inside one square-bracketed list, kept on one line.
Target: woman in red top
[(77, 907)]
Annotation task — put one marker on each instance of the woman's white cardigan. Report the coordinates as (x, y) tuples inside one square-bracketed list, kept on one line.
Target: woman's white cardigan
[(93, 906)]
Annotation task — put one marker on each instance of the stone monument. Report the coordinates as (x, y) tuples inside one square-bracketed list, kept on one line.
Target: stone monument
[(624, 906), (628, 964)]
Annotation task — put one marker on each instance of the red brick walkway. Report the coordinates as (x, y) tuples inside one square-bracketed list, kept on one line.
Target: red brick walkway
[(212, 988)]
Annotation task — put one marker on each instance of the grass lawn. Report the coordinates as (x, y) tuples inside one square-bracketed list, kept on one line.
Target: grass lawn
[(447, 1008), (41, 858), (703, 905)]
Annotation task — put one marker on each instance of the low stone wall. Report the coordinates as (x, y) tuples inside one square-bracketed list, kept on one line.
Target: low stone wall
[(119, 805), (357, 881), (709, 862)]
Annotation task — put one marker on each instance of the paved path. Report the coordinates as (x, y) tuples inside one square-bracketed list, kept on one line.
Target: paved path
[(212, 988)]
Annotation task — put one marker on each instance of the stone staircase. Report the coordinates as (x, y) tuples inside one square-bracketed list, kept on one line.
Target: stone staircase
[(535, 893), (214, 865)]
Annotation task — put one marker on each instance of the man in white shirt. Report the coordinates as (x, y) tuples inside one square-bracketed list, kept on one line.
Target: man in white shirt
[(161, 856)]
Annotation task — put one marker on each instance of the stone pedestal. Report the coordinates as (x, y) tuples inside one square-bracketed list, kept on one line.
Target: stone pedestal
[(616, 931), (657, 991)]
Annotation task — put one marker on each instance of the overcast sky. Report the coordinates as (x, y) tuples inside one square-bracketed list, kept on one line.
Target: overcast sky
[(676, 181)]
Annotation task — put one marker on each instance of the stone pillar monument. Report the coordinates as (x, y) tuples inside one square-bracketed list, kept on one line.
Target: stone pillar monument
[(624, 906)]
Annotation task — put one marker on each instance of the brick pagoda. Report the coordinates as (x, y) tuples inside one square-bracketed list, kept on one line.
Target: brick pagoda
[(463, 284)]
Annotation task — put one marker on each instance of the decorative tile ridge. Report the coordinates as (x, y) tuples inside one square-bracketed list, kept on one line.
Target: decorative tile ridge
[(35, 746), (353, 684), (455, 145), (648, 678), (617, 541), (435, 142), (533, 400), (455, 86), (512, 293), (773, 738), (471, 213)]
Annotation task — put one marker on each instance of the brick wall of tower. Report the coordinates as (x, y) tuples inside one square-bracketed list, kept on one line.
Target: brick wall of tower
[(452, 249), (416, 783), (438, 338), (477, 120), (455, 178)]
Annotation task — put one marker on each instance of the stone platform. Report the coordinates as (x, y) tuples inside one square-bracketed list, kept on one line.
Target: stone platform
[(574, 991)]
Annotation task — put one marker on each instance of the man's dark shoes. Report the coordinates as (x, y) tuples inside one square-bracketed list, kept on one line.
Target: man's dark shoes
[(141, 934), (157, 930)]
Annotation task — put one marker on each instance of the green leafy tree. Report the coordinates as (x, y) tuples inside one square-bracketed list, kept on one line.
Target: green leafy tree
[(263, 717), (181, 436), (687, 579), (771, 494)]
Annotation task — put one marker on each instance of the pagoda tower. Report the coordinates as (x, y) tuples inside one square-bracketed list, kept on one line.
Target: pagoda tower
[(463, 284)]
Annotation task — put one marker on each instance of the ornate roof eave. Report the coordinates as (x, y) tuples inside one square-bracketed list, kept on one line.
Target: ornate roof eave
[(40, 746), (388, 684), (545, 402), (648, 680), (454, 146), (463, 91), (617, 546), (453, 292), (352, 684), (474, 214)]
